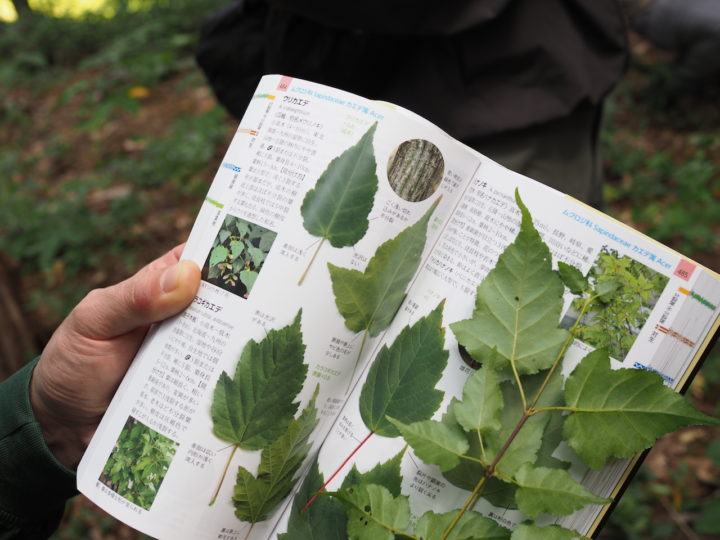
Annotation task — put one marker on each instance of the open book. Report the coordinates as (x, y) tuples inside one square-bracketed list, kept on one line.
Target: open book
[(339, 332)]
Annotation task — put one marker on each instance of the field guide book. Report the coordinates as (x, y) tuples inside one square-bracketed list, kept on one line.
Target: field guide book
[(396, 337)]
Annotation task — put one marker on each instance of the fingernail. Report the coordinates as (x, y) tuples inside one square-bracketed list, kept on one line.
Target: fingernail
[(170, 278)]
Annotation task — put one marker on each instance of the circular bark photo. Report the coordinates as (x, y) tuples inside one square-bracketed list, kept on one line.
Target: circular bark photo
[(415, 169)]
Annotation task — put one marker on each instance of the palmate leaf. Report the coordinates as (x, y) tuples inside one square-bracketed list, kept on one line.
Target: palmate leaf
[(373, 512), (517, 307), (471, 526), (552, 491), (255, 407), (618, 413), (386, 474), (325, 519), (256, 497), (401, 381), (528, 531), (369, 300), (337, 207), (434, 442)]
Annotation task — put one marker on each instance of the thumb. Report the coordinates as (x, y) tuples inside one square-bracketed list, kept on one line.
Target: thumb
[(151, 295)]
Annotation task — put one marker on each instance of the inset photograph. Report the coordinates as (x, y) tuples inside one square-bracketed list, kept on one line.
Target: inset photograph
[(616, 322), (138, 463), (415, 170), (237, 256)]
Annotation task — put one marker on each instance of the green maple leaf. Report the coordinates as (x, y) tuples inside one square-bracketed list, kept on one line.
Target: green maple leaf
[(517, 307), (369, 300), (337, 208), (528, 531), (255, 407), (256, 497), (618, 413), (373, 512), (386, 474), (401, 381), (325, 519), (552, 491), (471, 526), (434, 442)]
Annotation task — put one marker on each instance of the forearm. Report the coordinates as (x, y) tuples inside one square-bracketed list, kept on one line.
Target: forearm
[(34, 485)]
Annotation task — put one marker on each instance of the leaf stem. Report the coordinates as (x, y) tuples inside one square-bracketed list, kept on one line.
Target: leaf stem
[(249, 531), (307, 504), (222, 478), (305, 273)]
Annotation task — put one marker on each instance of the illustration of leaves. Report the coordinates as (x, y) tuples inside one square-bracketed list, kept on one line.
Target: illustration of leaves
[(470, 526), (551, 532), (337, 207), (553, 491), (618, 413), (325, 519), (434, 442), (401, 381), (255, 407), (517, 307), (386, 474), (373, 513), (369, 300), (255, 497)]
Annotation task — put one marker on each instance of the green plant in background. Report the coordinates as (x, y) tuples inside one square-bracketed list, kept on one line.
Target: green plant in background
[(499, 437), (138, 463), (628, 291), (237, 256)]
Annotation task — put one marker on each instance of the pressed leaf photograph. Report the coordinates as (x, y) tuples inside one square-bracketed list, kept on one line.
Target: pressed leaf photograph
[(138, 463), (237, 256)]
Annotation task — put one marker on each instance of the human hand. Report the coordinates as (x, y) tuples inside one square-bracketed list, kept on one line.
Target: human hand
[(89, 353)]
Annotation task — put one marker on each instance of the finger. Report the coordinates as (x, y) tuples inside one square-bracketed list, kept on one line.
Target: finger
[(151, 295)]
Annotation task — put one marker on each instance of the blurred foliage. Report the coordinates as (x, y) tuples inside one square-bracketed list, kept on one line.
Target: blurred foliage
[(73, 196)]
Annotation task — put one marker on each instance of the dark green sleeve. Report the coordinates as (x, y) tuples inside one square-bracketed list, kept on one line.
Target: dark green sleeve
[(33, 484)]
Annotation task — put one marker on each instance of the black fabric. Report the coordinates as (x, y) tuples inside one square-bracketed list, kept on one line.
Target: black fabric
[(473, 67)]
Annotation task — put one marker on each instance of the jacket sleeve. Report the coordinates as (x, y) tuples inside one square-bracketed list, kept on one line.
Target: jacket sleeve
[(33, 484)]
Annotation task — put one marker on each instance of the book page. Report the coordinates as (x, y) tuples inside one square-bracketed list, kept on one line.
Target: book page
[(670, 329), (252, 242)]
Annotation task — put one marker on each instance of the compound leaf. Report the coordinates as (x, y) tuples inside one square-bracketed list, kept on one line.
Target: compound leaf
[(552, 491), (618, 413), (369, 300), (255, 407), (471, 526), (373, 513), (256, 497), (325, 519), (517, 307), (401, 382), (337, 207)]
